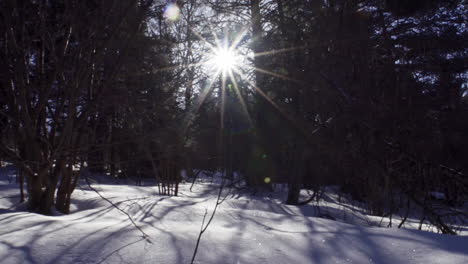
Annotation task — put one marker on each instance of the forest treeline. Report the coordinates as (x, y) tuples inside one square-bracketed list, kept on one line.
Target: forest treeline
[(369, 95)]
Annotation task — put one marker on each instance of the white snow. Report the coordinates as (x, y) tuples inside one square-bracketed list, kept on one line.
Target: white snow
[(245, 229)]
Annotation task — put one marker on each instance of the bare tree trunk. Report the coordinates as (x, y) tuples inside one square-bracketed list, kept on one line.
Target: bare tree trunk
[(295, 176), (64, 190), (21, 182)]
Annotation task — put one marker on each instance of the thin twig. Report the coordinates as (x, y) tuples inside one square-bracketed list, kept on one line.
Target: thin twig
[(145, 236), (204, 227), (194, 179)]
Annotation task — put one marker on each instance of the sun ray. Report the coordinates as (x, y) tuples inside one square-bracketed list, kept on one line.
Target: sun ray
[(223, 99), (210, 46), (239, 96), (227, 62), (258, 90), (273, 52), (182, 65), (239, 37), (215, 37), (274, 74), (266, 97), (281, 111), (206, 91)]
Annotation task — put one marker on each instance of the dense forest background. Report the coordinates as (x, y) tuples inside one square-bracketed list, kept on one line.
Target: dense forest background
[(368, 95)]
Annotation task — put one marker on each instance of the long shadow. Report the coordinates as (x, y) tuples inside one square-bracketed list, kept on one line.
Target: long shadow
[(24, 249), (95, 245), (42, 222), (173, 238), (340, 238), (49, 227), (118, 249)]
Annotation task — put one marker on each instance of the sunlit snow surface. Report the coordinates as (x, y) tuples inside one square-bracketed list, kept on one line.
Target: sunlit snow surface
[(246, 229)]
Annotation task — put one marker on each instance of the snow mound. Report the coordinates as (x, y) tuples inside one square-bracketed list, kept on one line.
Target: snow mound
[(245, 230)]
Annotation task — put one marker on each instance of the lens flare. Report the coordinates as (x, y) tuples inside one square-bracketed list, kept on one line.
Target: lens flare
[(172, 12)]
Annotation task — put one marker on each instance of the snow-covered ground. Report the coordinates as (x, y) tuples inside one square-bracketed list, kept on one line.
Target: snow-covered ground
[(245, 229)]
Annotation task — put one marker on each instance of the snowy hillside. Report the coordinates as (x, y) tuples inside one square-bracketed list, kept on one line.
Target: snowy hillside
[(245, 229)]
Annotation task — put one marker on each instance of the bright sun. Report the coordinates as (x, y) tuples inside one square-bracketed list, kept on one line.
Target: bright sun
[(224, 59)]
